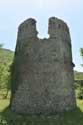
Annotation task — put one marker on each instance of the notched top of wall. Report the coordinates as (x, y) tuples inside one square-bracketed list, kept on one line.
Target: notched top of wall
[(28, 28), (56, 28)]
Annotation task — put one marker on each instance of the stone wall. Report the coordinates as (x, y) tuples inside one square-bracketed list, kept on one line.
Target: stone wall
[(42, 72)]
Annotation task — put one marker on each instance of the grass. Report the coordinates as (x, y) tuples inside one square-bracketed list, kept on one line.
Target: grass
[(80, 105), (7, 117), (3, 104)]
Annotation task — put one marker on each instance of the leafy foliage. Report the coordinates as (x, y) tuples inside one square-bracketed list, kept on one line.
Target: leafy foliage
[(1, 45), (6, 58), (81, 51), (78, 75), (79, 91)]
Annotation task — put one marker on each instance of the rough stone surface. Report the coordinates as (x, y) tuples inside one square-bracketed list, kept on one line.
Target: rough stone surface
[(42, 72)]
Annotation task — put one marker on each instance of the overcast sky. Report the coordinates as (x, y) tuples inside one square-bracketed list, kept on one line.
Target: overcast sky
[(13, 12)]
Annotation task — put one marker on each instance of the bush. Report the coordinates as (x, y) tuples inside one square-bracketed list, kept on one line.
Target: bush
[(79, 91)]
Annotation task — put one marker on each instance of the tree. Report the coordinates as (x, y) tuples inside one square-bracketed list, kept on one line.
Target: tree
[(81, 51), (1, 45), (6, 59)]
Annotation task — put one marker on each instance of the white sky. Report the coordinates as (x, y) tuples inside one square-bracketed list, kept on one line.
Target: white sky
[(58, 4)]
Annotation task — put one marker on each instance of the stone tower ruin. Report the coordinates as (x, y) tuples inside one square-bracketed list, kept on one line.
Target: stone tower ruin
[(42, 71)]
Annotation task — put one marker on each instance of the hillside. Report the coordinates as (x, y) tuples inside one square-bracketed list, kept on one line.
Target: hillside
[(78, 75), (6, 59), (6, 56)]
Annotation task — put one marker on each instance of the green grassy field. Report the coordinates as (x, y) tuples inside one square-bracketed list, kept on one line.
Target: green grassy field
[(8, 117)]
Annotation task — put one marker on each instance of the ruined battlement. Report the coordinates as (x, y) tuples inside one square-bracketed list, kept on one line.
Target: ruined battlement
[(56, 28), (42, 73), (28, 29)]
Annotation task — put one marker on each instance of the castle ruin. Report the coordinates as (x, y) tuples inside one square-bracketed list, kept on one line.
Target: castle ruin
[(42, 71)]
